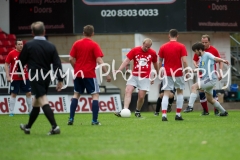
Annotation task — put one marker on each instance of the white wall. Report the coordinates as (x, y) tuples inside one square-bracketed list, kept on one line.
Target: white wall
[(4, 16), (221, 41)]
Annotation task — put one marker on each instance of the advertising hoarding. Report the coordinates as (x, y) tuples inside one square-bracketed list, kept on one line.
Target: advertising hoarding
[(213, 15), (128, 16), (57, 16), (61, 104)]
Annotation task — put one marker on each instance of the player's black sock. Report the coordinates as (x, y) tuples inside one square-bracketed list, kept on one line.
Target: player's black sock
[(137, 110), (95, 110), (170, 101), (159, 102), (49, 114), (33, 116), (73, 107)]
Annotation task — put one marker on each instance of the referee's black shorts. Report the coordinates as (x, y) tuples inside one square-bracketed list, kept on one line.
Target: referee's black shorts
[(40, 87)]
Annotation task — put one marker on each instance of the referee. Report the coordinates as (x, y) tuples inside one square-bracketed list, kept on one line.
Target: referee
[(39, 54)]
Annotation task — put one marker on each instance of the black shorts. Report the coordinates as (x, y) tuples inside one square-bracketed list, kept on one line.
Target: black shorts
[(40, 87), (161, 91)]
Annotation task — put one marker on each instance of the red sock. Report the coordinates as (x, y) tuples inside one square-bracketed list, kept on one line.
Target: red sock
[(164, 111), (204, 106), (179, 110)]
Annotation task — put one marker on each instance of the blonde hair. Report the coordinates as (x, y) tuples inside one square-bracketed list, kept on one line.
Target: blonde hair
[(148, 40)]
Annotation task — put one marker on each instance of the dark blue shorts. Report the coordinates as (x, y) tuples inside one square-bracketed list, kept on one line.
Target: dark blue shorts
[(18, 86), (90, 84), (214, 93)]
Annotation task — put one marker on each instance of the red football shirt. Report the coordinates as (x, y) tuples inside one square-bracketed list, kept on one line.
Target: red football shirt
[(11, 59), (172, 53), (142, 61), (85, 51), (211, 50)]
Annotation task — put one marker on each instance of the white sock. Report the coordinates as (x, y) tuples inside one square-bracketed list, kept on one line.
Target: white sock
[(192, 99), (11, 105), (178, 114), (29, 104), (164, 115), (164, 105), (203, 100), (179, 104), (219, 107)]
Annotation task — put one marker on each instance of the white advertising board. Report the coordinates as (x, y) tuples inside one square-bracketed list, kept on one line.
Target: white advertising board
[(61, 104)]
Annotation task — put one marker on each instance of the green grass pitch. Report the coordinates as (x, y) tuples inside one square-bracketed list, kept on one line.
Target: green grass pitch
[(148, 138)]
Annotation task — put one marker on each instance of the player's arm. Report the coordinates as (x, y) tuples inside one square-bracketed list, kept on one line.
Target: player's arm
[(220, 65), (195, 64), (72, 55), (6, 67), (124, 64), (216, 54), (220, 70), (216, 59), (185, 64), (155, 65), (72, 61), (195, 60), (160, 63), (99, 62), (155, 62)]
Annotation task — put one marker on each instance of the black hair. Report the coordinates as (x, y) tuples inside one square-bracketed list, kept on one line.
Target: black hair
[(198, 46), (17, 40)]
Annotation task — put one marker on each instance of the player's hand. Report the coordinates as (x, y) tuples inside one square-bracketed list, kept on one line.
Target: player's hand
[(186, 77), (108, 78), (116, 71), (152, 82), (220, 77), (196, 65), (59, 86), (195, 70), (9, 79), (226, 62)]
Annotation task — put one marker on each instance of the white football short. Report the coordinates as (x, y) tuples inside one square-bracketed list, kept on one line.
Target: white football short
[(169, 83), (207, 85), (140, 83)]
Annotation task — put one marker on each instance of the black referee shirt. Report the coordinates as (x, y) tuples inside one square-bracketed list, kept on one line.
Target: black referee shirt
[(39, 54)]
